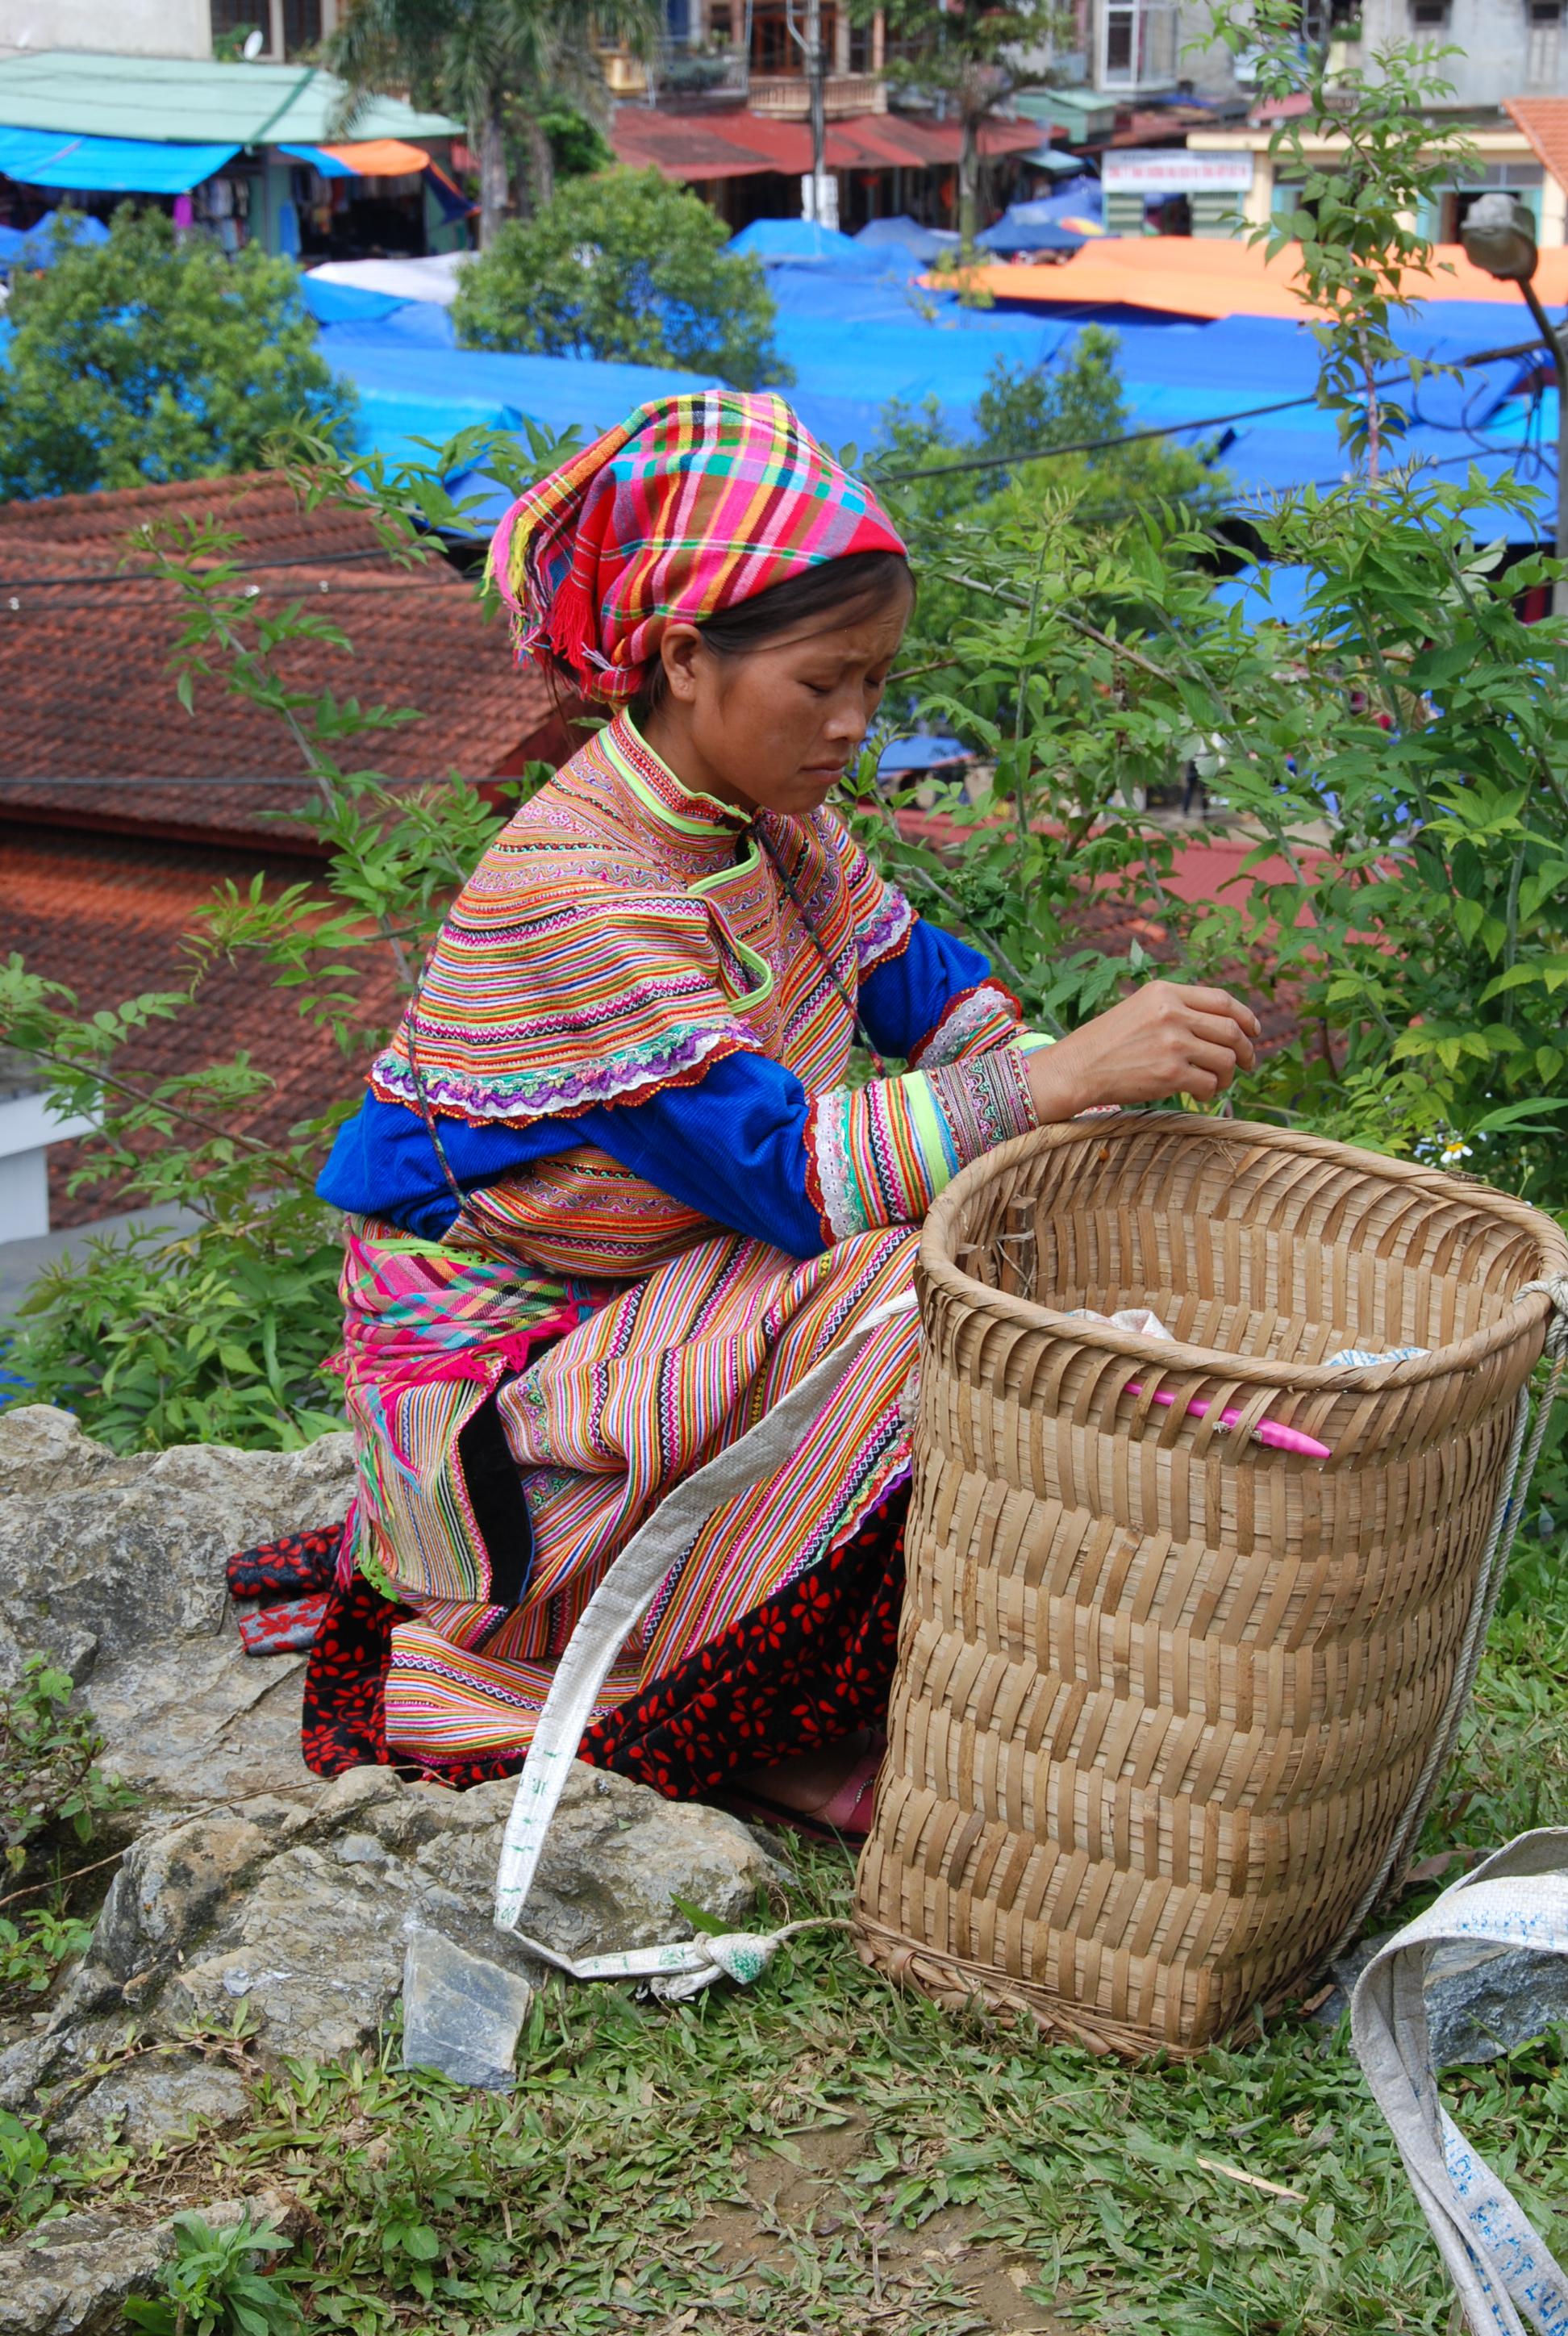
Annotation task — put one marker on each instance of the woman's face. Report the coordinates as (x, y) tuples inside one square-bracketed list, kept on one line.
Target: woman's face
[(774, 729)]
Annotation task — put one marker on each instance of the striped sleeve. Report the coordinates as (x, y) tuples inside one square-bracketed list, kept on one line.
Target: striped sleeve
[(880, 1155)]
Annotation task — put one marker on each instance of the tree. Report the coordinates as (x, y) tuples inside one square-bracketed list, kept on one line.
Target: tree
[(962, 52), (1361, 254), (623, 266), (144, 359), (504, 66)]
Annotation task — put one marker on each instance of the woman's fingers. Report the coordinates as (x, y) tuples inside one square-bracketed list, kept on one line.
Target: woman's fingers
[(1219, 1001), (1219, 1030), (1218, 1061)]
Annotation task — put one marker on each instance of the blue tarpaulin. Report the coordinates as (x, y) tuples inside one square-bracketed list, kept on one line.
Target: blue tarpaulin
[(791, 242), (327, 166), (920, 753), (33, 247), (1267, 595), (904, 234), (113, 166), (1011, 233), (411, 385)]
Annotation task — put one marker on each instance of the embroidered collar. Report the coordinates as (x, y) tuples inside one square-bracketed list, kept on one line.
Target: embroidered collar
[(658, 789)]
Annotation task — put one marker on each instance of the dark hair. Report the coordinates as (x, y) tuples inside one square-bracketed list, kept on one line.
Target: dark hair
[(863, 580)]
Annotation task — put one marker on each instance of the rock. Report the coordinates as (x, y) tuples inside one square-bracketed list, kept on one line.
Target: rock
[(201, 1723), (112, 1566), (301, 1910), (1481, 2001), (255, 1894), (70, 2278), (149, 2100), (461, 2015), (130, 1551)]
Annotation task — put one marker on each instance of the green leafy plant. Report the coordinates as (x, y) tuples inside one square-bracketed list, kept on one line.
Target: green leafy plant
[(213, 2287), (1365, 157), (146, 359), (624, 265), (966, 54), (219, 1333), (50, 1781), (33, 1949)]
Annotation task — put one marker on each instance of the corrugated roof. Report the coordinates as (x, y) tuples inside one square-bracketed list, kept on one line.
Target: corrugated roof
[(740, 143), (85, 682), (197, 99)]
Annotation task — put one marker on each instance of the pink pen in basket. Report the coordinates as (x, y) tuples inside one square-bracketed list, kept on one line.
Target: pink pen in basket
[(1271, 1432), (1145, 1324)]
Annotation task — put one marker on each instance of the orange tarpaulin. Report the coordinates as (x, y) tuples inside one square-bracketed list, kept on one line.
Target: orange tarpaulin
[(1223, 277), (380, 158)]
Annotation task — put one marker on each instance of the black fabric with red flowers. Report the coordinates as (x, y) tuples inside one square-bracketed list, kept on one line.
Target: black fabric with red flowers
[(292, 1566), (811, 1664)]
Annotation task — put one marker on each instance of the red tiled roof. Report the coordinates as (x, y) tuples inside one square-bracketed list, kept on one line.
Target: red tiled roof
[(739, 144), (106, 919), (1544, 121), (87, 692)]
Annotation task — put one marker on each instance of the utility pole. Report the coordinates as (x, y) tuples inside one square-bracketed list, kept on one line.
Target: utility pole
[(819, 192), (1499, 235)]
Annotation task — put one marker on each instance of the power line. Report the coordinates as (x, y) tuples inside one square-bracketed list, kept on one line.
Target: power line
[(239, 567), (1168, 429)]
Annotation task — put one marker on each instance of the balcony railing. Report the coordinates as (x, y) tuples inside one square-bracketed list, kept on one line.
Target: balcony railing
[(788, 96), (678, 76)]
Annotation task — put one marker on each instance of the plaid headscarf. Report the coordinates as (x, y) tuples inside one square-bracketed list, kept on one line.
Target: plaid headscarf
[(690, 505)]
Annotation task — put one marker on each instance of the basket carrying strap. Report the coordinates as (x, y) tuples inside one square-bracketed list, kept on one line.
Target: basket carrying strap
[(685, 1966), (1507, 2281), (1499, 2264)]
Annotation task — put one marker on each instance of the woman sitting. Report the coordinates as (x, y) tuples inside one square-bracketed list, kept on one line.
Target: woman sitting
[(611, 1194)]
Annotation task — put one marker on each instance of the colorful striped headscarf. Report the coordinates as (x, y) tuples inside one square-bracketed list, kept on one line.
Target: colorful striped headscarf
[(689, 505)]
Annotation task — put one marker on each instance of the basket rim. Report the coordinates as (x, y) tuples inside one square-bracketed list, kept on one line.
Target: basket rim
[(940, 1268)]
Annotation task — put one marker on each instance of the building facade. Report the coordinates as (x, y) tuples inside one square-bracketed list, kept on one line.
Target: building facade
[(1498, 49), (165, 28)]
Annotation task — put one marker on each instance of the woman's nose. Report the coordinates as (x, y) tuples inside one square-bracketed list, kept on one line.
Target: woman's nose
[(848, 720)]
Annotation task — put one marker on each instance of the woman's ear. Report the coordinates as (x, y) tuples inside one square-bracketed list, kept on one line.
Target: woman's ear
[(680, 649)]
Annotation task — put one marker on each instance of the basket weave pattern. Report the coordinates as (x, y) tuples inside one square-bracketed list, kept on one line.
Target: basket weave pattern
[(1164, 1693)]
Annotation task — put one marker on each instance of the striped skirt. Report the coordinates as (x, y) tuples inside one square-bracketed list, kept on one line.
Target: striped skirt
[(513, 1431)]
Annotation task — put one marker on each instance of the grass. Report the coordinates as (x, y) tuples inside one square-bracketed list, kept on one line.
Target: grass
[(824, 2154)]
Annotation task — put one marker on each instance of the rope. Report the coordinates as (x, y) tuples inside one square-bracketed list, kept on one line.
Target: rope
[(1489, 1579)]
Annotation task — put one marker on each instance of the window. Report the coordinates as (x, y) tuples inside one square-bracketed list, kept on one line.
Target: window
[(1540, 55), (775, 50), (301, 25), (233, 19), (1138, 44), (1428, 15)]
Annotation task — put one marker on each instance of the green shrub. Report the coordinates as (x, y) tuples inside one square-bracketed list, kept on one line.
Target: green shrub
[(623, 266)]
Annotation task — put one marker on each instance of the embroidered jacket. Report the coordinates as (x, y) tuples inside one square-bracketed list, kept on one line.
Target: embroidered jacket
[(627, 1034)]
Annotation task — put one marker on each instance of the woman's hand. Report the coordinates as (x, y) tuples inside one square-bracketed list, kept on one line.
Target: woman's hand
[(1162, 1040)]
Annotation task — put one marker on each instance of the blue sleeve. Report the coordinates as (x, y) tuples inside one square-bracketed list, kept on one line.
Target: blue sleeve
[(383, 1163), (734, 1147), (902, 1000)]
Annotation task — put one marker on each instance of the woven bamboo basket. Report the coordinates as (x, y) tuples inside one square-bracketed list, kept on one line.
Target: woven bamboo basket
[(1166, 1696)]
